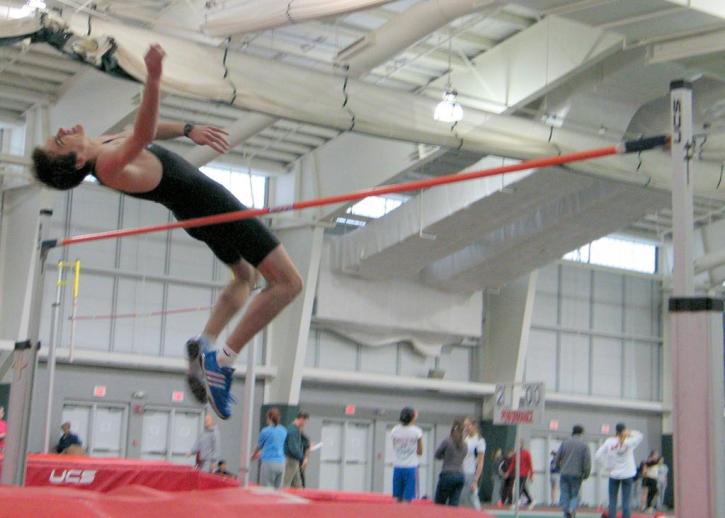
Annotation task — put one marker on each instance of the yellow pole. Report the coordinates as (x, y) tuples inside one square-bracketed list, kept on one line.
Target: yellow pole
[(74, 311)]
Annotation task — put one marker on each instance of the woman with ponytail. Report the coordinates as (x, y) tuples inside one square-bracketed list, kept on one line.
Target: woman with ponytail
[(451, 451)]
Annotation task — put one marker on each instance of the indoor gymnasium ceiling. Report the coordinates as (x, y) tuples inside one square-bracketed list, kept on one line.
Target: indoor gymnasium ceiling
[(646, 44)]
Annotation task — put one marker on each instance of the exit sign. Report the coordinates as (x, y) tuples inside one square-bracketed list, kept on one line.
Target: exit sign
[(177, 396), (350, 410), (605, 429), (553, 425), (99, 391)]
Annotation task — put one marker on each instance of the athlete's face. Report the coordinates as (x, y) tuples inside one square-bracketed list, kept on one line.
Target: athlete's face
[(70, 140)]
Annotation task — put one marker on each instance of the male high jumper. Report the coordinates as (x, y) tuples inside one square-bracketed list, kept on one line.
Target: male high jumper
[(131, 164)]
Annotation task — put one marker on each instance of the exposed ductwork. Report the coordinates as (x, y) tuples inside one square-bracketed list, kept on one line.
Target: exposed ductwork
[(282, 90), (260, 15), (394, 37)]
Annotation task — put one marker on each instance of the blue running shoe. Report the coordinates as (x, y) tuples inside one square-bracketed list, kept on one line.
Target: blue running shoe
[(218, 384), (195, 348)]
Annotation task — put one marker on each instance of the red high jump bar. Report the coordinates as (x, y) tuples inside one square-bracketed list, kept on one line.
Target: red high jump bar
[(630, 146)]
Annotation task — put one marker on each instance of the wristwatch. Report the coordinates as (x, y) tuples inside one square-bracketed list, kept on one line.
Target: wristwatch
[(187, 128)]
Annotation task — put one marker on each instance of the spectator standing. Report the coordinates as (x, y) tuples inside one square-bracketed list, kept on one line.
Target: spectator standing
[(617, 453), (67, 439), (575, 463), (497, 476), (294, 454), (508, 475), (451, 451), (270, 450), (306, 458), (649, 480), (526, 474), (472, 464), (3, 429), (554, 478), (407, 440), (662, 474), (207, 446)]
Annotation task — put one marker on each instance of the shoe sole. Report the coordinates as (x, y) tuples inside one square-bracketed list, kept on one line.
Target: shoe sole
[(196, 385), (209, 397)]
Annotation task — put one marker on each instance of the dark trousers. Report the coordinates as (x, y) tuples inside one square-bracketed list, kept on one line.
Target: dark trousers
[(569, 494), (448, 491), (626, 496), (651, 485), (507, 493), (523, 490)]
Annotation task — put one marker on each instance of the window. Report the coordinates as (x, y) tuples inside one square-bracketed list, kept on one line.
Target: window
[(372, 207), (249, 188), (621, 253)]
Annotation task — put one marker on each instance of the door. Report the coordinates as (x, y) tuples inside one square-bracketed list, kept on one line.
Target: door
[(169, 434), (101, 428), (345, 459)]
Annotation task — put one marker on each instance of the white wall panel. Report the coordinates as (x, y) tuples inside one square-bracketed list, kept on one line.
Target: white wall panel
[(95, 298), (607, 361), (141, 334), (607, 317), (541, 358), (190, 258), (638, 321), (639, 379), (145, 253), (94, 210), (545, 308), (382, 360), (337, 353), (182, 326), (574, 364), (575, 302), (413, 364), (456, 361), (311, 351)]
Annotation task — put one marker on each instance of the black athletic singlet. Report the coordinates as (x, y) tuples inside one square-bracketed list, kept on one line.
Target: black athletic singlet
[(189, 193)]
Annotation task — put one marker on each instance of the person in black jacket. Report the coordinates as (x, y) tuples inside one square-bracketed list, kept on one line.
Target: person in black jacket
[(67, 439)]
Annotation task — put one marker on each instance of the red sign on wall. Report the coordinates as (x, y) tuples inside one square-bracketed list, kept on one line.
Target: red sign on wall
[(99, 391), (553, 425), (177, 396), (350, 410), (605, 429)]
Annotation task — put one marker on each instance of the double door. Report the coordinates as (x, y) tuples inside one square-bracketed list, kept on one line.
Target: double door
[(345, 455), (100, 427), (170, 433)]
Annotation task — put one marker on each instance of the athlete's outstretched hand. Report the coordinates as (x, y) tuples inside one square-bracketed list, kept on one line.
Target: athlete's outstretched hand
[(215, 138), (153, 59)]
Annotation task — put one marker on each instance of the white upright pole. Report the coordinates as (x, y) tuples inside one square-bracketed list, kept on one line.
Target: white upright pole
[(697, 344), (51, 357), (248, 405), (248, 414), (24, 364), (517, 472)]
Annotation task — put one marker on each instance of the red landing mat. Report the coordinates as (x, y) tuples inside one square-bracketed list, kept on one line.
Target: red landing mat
[(106, 474), (142, 502)]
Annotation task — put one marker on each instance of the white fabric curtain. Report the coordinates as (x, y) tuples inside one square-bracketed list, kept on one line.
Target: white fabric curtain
[(259, 15)]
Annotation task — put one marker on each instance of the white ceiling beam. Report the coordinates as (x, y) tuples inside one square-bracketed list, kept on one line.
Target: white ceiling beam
[(33, 71), (21, 94), (403, 31), (279, 144), (233, 159), (689, 47), (27, 84)]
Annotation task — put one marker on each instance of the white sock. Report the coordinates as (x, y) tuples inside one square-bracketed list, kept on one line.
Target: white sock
[(226, 357)]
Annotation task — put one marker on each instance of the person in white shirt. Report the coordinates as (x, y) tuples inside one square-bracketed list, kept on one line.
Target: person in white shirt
[(472, 464), (617, 454), (408, 446)]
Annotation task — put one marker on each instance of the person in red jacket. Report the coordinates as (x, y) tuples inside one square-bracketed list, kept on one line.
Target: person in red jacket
[(526, 473)]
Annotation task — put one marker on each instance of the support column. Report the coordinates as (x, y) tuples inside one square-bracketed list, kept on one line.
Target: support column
[(697, 344), (288, 334), (507, 326)]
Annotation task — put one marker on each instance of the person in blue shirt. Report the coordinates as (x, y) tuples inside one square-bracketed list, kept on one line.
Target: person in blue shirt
[(270, 450), (67, 439)]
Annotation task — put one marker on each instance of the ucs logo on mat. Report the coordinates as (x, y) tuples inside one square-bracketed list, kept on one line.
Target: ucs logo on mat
[(72, 476)]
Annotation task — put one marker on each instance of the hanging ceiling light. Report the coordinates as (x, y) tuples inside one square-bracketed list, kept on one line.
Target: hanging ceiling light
[(448, 110)]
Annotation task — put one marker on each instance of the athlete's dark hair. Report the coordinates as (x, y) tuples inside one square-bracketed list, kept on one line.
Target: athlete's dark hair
[(407, 415), (59, 171)]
